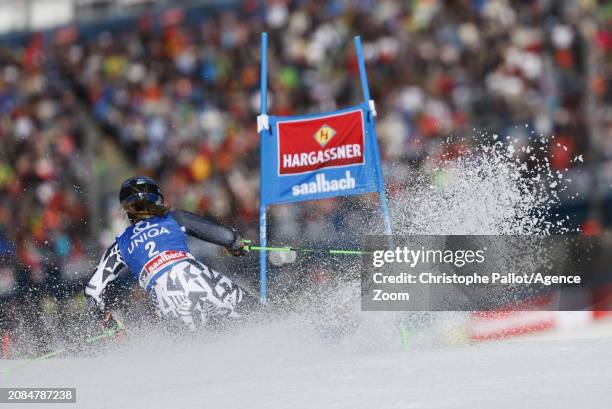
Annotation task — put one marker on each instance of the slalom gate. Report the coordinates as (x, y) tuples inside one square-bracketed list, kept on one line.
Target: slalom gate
[(316, 156)]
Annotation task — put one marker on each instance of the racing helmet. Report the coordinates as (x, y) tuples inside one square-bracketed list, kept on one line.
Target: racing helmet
[(140, 188)]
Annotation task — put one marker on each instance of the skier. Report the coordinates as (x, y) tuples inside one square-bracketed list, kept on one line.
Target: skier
[(154, 250)]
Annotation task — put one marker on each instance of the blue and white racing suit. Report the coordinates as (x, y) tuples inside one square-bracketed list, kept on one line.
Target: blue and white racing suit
[(155, 252)]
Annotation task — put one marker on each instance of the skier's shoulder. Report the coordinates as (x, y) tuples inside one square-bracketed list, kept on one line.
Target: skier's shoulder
[(185, 217), (114, 245), (112, 254), (180, 213)]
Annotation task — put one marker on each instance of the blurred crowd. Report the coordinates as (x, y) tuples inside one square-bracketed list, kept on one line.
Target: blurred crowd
[(179, 95)]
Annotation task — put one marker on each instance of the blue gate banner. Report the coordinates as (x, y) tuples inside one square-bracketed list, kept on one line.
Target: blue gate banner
[(318, 156), (311, 157)]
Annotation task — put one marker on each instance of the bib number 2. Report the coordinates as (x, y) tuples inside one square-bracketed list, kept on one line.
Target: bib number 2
[(150, 247)]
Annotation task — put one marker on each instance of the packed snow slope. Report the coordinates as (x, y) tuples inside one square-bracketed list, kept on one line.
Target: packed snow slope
[(279, 365)]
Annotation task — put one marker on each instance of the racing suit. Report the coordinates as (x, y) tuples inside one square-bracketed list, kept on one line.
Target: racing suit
[(183, 290)]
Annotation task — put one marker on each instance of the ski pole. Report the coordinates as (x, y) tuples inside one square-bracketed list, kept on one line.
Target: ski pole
[(308, 250), (404, 335), (109, 333)]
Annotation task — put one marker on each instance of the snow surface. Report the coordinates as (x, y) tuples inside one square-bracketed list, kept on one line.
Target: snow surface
[(284, 364)]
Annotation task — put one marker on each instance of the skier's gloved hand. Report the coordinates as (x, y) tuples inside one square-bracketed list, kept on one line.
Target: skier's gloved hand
[(108, 322), (239, 247)]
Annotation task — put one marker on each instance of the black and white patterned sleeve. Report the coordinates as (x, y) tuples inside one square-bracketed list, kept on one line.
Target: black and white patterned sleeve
[(110, 266)]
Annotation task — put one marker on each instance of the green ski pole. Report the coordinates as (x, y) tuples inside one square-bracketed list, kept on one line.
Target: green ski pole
[(309, 250), (109, 333)]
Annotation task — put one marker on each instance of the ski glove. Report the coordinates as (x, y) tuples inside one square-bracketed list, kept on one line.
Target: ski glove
[(239, 247), (110, 323)]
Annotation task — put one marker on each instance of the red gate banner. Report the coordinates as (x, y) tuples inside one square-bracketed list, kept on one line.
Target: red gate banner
[(310, 144)]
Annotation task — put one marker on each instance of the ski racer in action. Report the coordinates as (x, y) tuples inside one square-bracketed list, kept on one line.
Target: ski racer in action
[(154, 250)]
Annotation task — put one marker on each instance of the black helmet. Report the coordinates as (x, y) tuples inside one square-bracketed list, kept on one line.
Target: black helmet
[(140, 188)]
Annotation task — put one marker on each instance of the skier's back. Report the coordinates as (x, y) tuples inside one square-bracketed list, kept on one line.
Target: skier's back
[(154, 249)]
